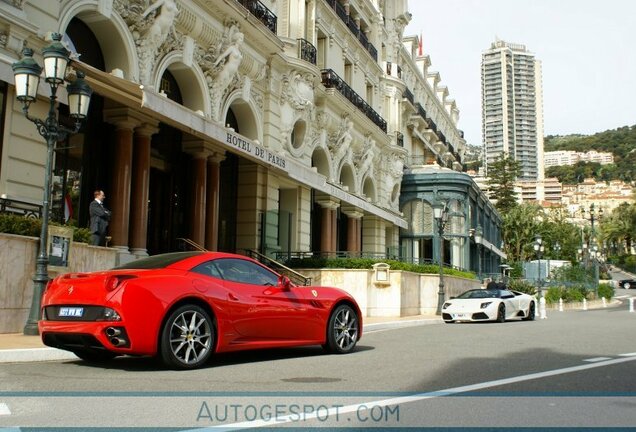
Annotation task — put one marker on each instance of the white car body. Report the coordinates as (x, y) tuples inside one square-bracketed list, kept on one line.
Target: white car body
[(485, 304)]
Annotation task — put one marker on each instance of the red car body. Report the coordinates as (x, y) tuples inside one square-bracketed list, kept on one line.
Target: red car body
[(124, 311)]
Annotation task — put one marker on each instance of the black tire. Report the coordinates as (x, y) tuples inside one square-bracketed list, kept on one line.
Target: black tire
[(343, 329), (187, 338), (501, 313), (93, 356), (531, 312)]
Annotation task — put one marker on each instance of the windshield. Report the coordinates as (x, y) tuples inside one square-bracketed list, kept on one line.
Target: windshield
[(158, 261), (480, 293)]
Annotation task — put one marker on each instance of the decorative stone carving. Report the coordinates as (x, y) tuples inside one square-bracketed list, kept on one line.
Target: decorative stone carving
[(298, 90), (340, 142), (363, 155), (224, 71), (15, 3), (154, 36)]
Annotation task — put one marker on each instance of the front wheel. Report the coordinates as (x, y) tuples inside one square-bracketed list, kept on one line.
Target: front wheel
[(501, 313), (187, 337), (342, 330), (531, 312)]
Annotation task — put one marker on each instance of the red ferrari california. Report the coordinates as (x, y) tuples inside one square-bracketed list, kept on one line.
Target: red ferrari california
[(184, 306)]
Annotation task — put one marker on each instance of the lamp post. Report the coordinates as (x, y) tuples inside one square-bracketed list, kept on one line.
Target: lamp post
[(538, 249), (27, 77), (440, 212), (479, 235), (595, 256)]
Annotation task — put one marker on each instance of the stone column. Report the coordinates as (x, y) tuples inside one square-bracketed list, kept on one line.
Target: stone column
[(140, 190), (121, 185), (212, 202), (199, 189), (354, 227), (328, 240)]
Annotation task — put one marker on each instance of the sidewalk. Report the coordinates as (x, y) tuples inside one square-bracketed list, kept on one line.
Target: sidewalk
[(17, 348)]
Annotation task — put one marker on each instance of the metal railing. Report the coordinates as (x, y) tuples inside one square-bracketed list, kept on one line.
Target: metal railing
[(261, 12), (330, 79), (353, 27), (293, 275), (20, 208), (408, 94), (190, 245), (306, 51)]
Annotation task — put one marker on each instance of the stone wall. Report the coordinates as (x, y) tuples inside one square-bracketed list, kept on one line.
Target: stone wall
[(17, 266), (405, 294)]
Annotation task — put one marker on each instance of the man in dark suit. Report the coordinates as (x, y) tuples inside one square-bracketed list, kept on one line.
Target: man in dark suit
[(99, 218)]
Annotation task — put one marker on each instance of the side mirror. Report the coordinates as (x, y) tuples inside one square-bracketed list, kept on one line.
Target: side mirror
[(285, 283)]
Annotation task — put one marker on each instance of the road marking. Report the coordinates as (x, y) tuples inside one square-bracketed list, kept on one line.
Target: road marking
[(628, 354), (293, 418), (597, 359), (4, 409)]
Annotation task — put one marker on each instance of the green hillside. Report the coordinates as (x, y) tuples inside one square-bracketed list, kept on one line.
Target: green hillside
[(620, 142)]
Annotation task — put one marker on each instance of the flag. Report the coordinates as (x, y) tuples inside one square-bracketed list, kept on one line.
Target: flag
[(68, 208), (420, 51)]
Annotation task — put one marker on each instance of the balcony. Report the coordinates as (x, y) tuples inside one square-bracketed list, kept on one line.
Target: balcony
[(353, 27), (261, 12), (421, 111), (330, 79), (306, 51)]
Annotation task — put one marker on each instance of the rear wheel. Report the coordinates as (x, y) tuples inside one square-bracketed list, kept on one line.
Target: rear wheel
[(531, 312), (187, 337), (342, 330), (501, 313)]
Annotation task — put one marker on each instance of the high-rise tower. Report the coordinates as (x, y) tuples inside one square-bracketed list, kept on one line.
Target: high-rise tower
[(512, 107)]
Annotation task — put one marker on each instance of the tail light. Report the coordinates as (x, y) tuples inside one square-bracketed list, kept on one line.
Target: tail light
[(112, 282)]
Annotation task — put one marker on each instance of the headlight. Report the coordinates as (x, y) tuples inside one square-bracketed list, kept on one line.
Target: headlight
[(446, 305), (485, 305), (108, 314)]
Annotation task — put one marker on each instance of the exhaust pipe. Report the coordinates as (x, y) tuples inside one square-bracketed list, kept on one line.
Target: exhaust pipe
[(112, 331), (117, 341)]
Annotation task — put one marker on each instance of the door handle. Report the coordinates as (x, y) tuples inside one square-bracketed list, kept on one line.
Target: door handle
[(232, 297)]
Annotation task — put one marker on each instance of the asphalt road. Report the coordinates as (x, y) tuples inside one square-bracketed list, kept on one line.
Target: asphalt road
[(574, 369)]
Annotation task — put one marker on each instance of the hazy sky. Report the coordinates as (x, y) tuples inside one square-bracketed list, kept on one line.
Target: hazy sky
[(587, 49)]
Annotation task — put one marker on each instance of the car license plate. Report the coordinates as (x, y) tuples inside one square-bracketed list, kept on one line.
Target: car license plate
[(71, 311), (459, 316)]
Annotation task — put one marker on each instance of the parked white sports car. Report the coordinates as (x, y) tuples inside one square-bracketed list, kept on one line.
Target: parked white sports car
[(489, 305)]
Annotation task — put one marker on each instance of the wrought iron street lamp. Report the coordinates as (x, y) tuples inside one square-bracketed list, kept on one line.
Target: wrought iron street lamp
[(479, 235), (440, 212), (538, 250), (27, 78)]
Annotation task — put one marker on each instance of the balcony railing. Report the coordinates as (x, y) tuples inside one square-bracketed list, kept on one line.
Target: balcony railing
[(330, 79), (261, 12), (408, 94), (421, 111), (306, 51), (21, 208), (353, 27)]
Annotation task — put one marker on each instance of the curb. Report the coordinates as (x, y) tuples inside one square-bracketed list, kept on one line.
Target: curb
[(399, 324), (34, 355)]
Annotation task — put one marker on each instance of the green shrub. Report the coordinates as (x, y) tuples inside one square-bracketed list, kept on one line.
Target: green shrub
[(19, 225), (523, 286), (571, 294), (367, 263), (605, 290)]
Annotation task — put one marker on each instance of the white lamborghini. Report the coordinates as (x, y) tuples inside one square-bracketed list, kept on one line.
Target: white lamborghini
[(489, 305)]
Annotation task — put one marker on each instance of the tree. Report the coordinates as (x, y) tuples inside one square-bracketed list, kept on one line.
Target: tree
[(501, 181)]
